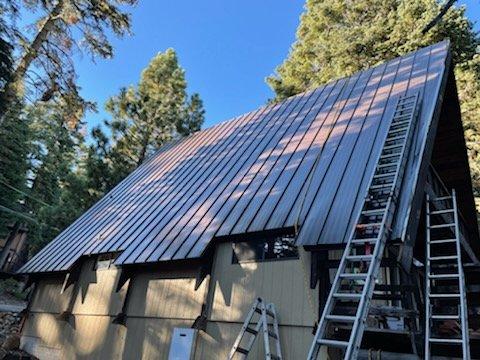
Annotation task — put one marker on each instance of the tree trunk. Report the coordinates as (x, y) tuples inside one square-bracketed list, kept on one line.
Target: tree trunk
[(30, 54), (8, 244)]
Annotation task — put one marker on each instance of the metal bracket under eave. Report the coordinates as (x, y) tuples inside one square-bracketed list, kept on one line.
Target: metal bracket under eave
[(204, 270), (318, 266), (125, 275), (30, 280), (71, 278), (314, 269)]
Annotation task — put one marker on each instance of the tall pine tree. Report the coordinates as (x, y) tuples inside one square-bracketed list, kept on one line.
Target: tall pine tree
[(144, 117), (336, 38)]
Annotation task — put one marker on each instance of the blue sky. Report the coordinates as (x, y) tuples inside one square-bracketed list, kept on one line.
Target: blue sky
[(226, 47)]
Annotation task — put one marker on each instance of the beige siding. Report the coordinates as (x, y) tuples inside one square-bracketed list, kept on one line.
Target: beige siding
[(161, 301), (285, 283), (48, 297), (96, 294), (167, 295)]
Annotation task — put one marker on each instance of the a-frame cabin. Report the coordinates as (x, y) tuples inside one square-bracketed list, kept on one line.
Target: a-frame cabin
[(263, 205)]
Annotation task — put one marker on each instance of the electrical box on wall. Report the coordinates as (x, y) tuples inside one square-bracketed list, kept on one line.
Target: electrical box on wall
[(183, 344)]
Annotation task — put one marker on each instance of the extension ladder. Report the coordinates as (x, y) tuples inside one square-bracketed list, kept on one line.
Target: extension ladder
[(269, 331), (354, 281), (445, 281)]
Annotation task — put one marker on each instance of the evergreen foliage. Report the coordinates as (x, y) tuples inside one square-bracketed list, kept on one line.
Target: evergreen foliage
[(44, 68), (144, 117), (336, 38)]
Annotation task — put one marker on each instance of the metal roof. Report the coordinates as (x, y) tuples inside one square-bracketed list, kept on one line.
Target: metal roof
[(305, 161)]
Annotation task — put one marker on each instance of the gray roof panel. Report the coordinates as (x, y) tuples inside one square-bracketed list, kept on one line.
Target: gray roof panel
[(304, 162)]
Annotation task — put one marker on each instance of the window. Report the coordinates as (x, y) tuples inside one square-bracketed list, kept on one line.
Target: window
[(274, 248), (105, 261)]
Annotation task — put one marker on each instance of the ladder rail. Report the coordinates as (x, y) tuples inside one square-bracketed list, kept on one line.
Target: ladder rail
[(276, 330), (359, 325), (462, 314), (266, 340), (379, 243), (463, 304), (263, 309), (247, 321), (427, 283)]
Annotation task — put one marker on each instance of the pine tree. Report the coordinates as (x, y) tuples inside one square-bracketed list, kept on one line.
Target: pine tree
[(62, 27), (336, 38), (55, 155), (14, 163), (144, 117)]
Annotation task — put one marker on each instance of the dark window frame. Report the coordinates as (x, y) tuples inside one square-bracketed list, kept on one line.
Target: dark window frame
[(263, 250), (105, 258)]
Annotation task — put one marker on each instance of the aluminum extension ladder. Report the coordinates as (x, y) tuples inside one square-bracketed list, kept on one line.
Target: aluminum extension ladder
[(354, 281), (269, 331), (445, 296)]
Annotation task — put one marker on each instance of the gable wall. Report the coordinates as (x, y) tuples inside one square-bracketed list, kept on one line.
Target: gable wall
[(160, 301)]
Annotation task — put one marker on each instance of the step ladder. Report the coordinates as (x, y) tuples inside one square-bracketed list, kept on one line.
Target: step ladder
[(269, 331), (354, 281), (445, 296)]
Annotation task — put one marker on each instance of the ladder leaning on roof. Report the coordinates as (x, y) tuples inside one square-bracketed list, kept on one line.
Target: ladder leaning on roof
[(359, 267), (444, 278), (269, 331)]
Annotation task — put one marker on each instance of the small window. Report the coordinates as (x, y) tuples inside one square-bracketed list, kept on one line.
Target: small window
[(275, 248), (105, 261)]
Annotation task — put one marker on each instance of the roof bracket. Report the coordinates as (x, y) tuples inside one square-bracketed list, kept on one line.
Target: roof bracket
[(314, 269), (28, 283), (318, 265), (204, 270), (125, 275), (70, 278)]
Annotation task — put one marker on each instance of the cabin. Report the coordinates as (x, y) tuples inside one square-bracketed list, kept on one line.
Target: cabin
[(168, 264)]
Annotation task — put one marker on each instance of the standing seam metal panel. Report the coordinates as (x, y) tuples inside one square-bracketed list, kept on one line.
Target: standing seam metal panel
[(251, 173)]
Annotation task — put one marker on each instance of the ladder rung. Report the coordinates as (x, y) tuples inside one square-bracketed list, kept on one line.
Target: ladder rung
[(398, 130), (441, 226), (272, 334), (355, 276), (445, 317), (446, 341), (269, 313), (333, 343), (242, 351), (387, 165), (347, 295), (444, 276), (364, 241), (440, 258), (341, 318), (396, 138), (400, 122), (389, 155), (251, 331), (359, 257), (379, 176), (381, 186), (404, 108), (399, 117), (444, 296), (392, 146), (438, 212), (442, 198), (363, 226), (376, 211), (442, 241)]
